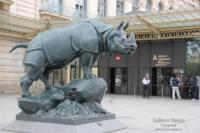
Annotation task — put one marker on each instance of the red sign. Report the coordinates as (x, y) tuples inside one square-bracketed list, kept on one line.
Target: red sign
[(117, 58)]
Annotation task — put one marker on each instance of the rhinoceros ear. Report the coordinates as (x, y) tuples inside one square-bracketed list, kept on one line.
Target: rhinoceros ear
[(126, 25), (120, 27)]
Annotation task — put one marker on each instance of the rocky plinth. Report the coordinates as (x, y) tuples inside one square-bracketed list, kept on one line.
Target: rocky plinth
[(75, 103)]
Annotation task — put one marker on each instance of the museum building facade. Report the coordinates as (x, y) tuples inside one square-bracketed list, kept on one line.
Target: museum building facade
[(159, 58), (21, 20)]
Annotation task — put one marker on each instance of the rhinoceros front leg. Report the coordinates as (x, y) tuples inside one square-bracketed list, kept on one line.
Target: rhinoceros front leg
[(87, 61), (45, 79)]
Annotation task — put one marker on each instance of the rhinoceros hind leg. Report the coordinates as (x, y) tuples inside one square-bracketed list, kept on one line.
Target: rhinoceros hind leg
[(45, 79), (32, 74)]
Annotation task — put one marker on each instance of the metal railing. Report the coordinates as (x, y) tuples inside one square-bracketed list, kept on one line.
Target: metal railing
[(166, 90)]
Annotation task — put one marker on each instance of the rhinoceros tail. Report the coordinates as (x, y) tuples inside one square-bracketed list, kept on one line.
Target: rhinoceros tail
[(21, 45)]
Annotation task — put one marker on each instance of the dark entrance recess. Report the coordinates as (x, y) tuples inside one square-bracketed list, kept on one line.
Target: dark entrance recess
[(118, 81), (161, 81)]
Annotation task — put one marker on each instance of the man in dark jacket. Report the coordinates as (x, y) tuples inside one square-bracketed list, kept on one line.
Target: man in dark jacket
[(194, 88)]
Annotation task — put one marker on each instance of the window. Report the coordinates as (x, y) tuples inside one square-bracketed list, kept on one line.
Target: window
[(102, 8), (80, 7), (120, 7), (55, 6), (135, 4), (148, 5), (193, 57)]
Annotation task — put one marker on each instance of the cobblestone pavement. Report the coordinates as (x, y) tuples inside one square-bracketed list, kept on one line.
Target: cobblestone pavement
[(154, 115)]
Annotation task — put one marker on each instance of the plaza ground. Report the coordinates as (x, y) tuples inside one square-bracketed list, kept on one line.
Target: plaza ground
[(154, 115)]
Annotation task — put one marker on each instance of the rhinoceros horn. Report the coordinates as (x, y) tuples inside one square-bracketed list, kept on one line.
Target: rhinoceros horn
[(132, 36)]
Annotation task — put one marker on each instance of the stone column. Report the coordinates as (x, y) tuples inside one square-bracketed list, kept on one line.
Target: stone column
[(111, 8), (5, 5), (127, 6), (173, 4), (92, 6), (152, 5), (164, 4)]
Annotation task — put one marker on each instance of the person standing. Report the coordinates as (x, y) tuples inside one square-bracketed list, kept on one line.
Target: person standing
[(146, 85), (198, 84), (180, 78), (194, 87), (170, 82), (175, 87), (186, 87)]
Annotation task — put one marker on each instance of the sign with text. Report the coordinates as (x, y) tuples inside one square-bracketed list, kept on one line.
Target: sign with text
[(161, 60), (117, 57)]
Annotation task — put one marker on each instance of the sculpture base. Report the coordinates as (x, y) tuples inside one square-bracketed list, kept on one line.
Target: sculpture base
[(67, 121), (42, 127)]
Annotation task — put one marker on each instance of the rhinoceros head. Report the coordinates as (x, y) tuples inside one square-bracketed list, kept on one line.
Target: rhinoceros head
[(118, 42)]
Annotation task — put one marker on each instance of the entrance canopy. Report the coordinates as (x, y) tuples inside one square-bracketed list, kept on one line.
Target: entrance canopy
[(182, 23), (20, 26)]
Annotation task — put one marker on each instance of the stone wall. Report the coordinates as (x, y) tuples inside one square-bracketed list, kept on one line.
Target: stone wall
[(11, 67)]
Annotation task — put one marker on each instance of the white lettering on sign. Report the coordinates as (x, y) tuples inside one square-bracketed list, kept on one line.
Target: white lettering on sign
[(161, 60), (154, 57)]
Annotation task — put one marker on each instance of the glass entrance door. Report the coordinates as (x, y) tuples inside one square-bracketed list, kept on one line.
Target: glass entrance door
[(118, 81), (161, 81)]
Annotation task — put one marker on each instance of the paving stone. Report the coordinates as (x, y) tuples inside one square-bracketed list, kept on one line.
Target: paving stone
[(136, 113)]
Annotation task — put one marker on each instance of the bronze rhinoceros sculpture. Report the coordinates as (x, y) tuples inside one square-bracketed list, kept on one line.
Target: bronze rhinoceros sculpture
[(55, 48)]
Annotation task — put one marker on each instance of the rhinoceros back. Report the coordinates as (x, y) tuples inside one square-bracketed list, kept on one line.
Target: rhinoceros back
[(57, 45), (100, 27), (54, 44), (61, 45)]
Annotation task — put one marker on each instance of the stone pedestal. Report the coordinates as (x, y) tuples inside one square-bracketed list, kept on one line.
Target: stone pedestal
[(67, 121), (106, 126), (74, 108)]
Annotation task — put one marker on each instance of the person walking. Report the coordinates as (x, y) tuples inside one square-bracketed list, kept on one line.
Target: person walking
[(175, 87), (146, 85)]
